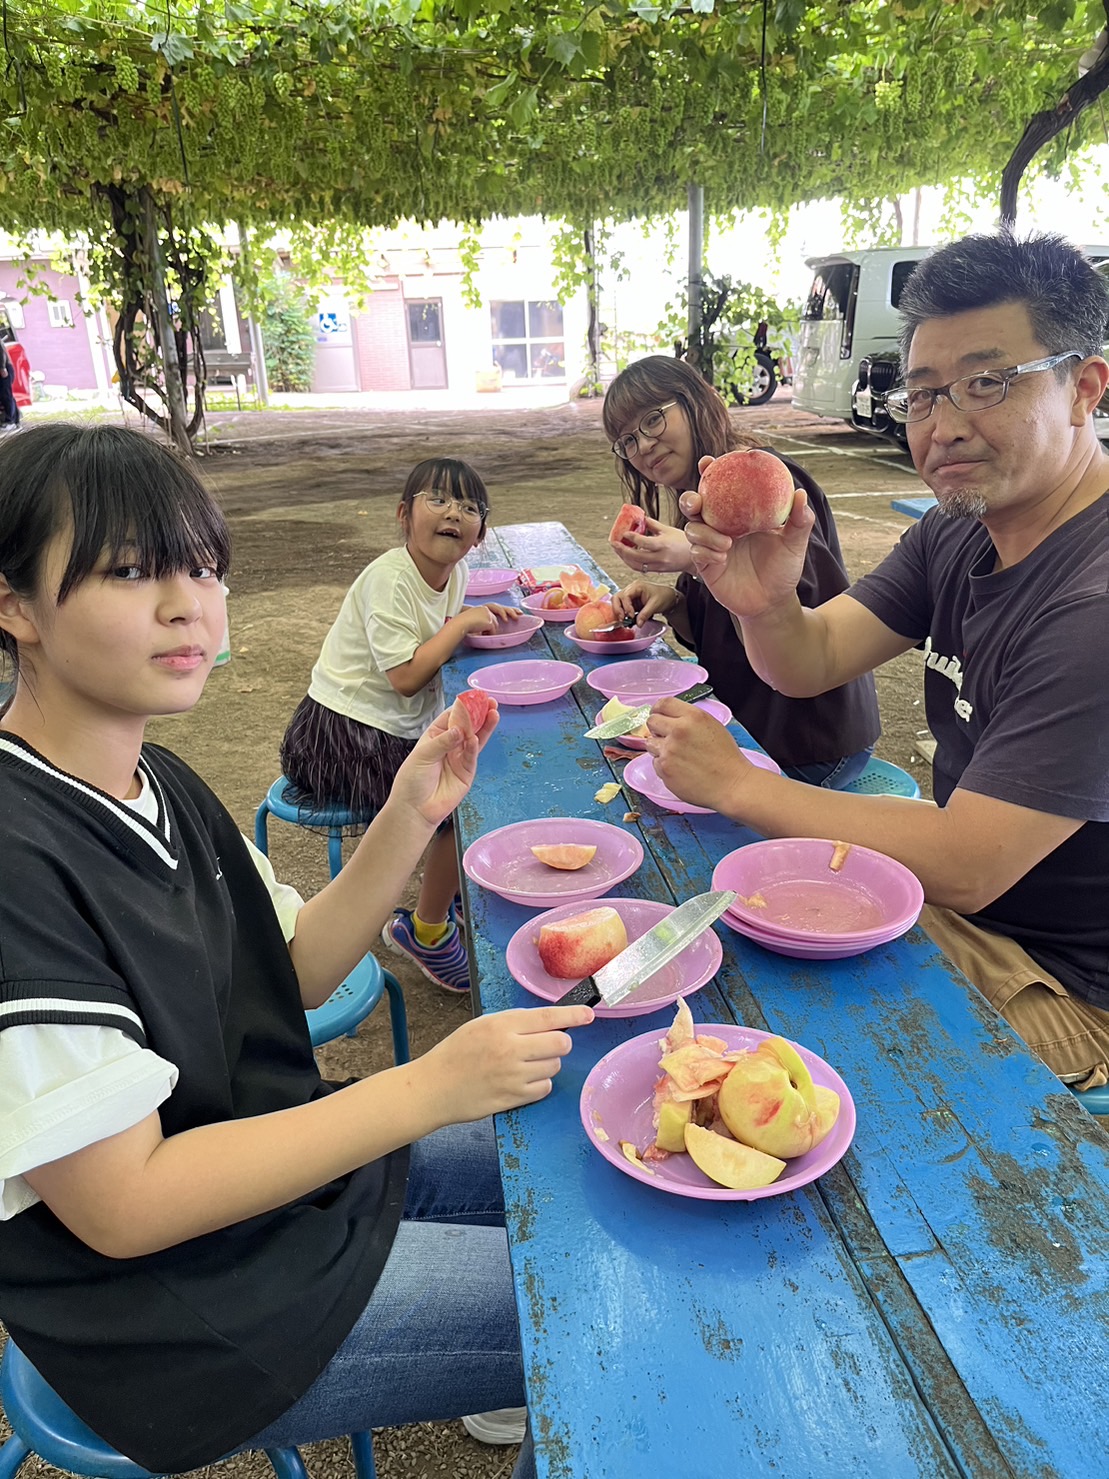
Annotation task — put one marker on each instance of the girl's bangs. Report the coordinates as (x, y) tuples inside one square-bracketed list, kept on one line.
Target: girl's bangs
[(152, 512), (632, 394), (459, 480)]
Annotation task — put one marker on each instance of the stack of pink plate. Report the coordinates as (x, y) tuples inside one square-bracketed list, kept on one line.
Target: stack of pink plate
[(790, 898)]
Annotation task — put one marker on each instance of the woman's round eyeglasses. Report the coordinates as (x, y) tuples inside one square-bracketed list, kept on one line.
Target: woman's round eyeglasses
[(652, 425), (970, 392), (439, 500)]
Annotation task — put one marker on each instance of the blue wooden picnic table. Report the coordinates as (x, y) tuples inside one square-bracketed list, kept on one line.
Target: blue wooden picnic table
[(935, 1304)]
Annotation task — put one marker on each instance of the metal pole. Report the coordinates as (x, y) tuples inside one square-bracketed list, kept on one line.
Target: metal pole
[(695, 196)]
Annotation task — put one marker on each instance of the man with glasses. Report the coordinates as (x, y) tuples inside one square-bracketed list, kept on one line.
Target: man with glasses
[(1005, 586)]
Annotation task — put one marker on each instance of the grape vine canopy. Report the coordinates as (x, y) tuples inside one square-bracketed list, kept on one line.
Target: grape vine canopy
[(143, 128)]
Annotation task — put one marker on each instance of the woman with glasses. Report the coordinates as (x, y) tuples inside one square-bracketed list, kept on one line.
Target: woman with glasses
[(376, 687), (663, 418)]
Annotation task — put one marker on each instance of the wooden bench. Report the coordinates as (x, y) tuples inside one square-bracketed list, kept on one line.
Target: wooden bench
[(224, 367), (915, 507)]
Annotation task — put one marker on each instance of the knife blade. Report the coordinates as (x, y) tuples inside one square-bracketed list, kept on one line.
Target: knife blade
[(634, 718), (648, 954), (617, 626)]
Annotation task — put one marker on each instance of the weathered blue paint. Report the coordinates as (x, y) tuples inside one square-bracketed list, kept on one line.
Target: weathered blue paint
[(936, 1305)]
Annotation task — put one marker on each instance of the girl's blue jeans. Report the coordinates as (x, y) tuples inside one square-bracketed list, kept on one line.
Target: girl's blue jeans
[(439, 1337)]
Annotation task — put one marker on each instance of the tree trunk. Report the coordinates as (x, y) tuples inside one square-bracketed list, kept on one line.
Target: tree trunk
[(163, 328), (1045, 126), (592, 331)]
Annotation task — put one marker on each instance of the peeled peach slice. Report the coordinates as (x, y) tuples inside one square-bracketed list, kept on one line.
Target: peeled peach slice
[(568, 856), (731, 1164), (574, 948)]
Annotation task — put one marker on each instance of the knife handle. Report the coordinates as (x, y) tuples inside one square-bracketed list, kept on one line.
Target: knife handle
[(692, 695), (584, 994)]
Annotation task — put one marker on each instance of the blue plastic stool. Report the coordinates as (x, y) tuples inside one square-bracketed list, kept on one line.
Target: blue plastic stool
[(330, 819), (880, 778), (354, 999), (42, 1424), (1096, 1101)]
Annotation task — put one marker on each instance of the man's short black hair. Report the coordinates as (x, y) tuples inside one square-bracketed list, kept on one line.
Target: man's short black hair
[(1066, 297)]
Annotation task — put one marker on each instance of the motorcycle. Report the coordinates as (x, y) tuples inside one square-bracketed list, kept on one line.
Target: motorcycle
[(754, 384)]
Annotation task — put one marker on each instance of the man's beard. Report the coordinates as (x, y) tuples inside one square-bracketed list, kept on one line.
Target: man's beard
[(964, 503)]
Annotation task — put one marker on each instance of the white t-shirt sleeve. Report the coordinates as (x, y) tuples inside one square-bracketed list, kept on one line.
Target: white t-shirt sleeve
[(396, 623), (286, 901), (65, 1087)]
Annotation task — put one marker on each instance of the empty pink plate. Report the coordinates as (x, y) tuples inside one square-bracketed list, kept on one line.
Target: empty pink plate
[(502, 860), (534, 604), (646, 679), (490, 582), (710, 705), (642, 776), (686, 973), (616, 1105), (528, 681), (644, 636), (803, 898), (508, 633)]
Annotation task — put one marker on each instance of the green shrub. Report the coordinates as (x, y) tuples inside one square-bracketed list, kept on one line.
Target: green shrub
[(287, 332)]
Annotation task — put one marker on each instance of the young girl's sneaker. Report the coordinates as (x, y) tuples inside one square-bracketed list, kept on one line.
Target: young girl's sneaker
[(446, 963), (506, 1425)]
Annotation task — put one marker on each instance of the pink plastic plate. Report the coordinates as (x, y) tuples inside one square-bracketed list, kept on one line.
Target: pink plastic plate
[(646, 679), (645, 635), (490, 582), (710, 705), (534, 604), (641, 775), (508, 633), (835, 949), (861, 903), (685, 974), (527, 681), (502, 861), (616, 1105)]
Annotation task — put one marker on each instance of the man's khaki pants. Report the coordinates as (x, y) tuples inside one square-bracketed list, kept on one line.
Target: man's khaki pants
[(1070, 1036)]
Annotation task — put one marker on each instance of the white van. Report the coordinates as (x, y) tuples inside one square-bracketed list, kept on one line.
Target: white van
[(851, 312)]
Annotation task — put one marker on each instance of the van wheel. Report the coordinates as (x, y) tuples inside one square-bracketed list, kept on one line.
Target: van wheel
[(765, 383)]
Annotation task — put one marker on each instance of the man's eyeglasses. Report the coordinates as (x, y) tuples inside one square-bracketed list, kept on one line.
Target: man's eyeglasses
[(969, 393), (652, 425), (439, 500)]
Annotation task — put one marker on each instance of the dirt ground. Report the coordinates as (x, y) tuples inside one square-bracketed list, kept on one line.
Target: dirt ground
[(311, 497)]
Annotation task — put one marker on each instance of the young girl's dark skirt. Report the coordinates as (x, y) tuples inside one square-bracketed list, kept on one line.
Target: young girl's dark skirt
[(330, 760)]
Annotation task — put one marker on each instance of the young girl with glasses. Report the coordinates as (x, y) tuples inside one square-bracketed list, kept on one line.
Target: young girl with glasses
[(376, 686), (203, 1246), (662, 418)]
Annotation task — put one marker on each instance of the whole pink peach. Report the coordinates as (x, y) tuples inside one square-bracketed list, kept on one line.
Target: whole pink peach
[(745, 492)]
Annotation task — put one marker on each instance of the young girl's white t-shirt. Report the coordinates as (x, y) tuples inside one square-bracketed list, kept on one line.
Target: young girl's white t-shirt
[(389, 611), (65, 1087)]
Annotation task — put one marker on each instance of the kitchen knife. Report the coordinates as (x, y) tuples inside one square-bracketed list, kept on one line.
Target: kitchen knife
[(648, 954), (634, 718)]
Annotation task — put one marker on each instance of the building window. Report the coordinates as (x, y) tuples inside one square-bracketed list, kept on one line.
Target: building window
[(528, 342), (61, 314)]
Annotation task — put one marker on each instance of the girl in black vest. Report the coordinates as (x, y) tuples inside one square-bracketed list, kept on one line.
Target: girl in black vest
[(662, 418), (202, 1245)]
